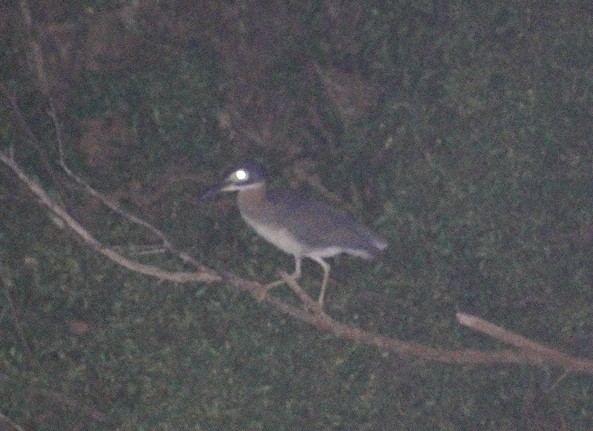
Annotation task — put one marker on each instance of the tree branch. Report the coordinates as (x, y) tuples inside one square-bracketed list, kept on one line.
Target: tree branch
[(527, 352), (91, 241)]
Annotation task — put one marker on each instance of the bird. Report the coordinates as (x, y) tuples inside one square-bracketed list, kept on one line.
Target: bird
[(295, 223)]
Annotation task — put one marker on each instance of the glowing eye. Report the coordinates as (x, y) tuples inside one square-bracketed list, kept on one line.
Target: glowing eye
[(241, 175)]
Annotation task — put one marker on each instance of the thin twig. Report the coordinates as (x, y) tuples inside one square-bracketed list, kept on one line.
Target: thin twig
[(35, 47), (8, 285), (42, 77), (112, 205), (31, 137), (11, 422), (508, 337), (203, 275)]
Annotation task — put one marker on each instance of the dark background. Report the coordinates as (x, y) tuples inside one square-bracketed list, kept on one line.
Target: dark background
[(460, 131)]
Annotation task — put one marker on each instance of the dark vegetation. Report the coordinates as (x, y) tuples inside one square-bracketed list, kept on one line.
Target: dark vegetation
[(459, 131)]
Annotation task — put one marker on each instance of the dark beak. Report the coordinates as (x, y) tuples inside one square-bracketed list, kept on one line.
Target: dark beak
[(210, 193)]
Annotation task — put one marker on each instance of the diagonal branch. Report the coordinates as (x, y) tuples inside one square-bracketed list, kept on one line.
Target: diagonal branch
[(544, 356), (112, 205), (95, 244), (527, 352), (508, 337)]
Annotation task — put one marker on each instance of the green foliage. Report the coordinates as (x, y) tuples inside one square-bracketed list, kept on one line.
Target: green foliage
[(472, 156)]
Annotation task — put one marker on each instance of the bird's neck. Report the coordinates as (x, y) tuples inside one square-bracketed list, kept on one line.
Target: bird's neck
[(252, 200)]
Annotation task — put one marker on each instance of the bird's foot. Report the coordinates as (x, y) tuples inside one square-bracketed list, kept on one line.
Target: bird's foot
[(313, 307), (261, 293)]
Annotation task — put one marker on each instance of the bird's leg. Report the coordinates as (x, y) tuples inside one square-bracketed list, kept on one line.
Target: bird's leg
[(297, 269), (295, 276), (326, 269)]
